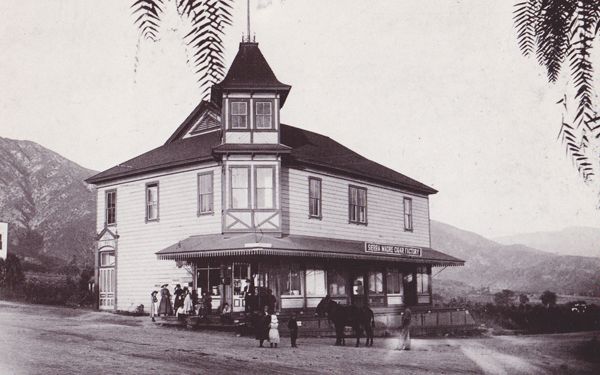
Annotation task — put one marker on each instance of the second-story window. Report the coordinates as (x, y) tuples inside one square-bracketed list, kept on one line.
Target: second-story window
[(314, 197), (111, 207), (408, 215), (265, 187), (239, 115), (264, 115), (357, 205), (205, 193), (240, 187), (152, 201)]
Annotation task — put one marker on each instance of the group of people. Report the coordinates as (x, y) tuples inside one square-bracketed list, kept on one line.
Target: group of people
[(267, 328), (185, 302)]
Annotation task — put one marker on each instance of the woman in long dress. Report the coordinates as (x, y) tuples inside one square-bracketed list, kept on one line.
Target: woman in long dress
[(165, 307), (274, 331), (405, 334), (188, 305)]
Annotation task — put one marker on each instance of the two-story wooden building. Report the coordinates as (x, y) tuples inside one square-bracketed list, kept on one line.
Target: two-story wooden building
[(234, 196)]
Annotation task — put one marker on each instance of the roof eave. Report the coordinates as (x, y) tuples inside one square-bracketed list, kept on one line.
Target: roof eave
[(103, 179), (424, 190)]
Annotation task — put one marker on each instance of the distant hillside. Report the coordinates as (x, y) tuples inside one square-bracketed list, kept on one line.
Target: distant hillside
[(49, 208), (516, 267), (583, 241)]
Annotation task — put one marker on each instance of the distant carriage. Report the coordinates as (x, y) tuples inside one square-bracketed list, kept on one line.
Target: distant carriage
[(348, 316)]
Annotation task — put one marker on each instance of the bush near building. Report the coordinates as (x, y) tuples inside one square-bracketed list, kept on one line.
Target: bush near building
[(45, 288)]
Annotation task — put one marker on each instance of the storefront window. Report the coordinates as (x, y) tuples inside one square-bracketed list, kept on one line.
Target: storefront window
[(358, 287), (422, 280), (376, 282), (209, 279), (337, 283), (394, 282), (293, 283), (315, 283)]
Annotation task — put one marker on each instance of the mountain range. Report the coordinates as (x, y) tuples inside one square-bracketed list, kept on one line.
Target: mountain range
[(51, 211), (492, 265), (584, 241), (49, 208)]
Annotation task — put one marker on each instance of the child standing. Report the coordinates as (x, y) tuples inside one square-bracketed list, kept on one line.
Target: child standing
[(274, 331), (153, 305), (293, 327)]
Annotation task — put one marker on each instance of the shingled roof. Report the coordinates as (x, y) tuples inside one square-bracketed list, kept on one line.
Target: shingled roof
[(249, 70), (308, 149), (213, 245)]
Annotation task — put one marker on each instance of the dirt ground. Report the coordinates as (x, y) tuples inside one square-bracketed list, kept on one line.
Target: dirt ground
[(50, 340)]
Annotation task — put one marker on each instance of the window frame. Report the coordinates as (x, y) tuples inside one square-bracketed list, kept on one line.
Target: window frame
[(320, 199), (273, 187), (248, 114), (400, 282), (107, 208), (148, 186), (101, 254), (307, 291), (422, 273), (293, 268), (271, 115), (200, 194), (249, 187), (408, 216), (357, 221)]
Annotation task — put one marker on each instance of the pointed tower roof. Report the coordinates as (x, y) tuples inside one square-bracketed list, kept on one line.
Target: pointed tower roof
[(249, 71)]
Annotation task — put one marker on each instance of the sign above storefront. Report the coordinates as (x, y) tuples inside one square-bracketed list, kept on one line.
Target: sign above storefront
[(393, 249)]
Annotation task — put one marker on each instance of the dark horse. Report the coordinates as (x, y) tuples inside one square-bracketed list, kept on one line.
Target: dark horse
[(347, 316)]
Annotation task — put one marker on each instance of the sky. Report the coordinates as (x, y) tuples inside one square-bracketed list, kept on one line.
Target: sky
[(435, 90)]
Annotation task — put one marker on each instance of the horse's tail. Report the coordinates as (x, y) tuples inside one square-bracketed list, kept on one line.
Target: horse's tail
[(372, 318)]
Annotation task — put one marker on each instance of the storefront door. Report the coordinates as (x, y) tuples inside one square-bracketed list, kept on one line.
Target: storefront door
[(240, 282), (358, 291), (410, 289)]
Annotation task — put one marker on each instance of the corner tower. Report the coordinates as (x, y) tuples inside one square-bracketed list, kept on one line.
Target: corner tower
[(250, 97)]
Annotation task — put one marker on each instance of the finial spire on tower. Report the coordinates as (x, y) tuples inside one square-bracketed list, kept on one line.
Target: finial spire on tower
[(248, 15)]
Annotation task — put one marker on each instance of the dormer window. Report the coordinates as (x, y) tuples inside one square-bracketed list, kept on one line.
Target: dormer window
[(239, 115), (264, 115)]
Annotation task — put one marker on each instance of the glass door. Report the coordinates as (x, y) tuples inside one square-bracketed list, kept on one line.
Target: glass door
[(358, 291), (241, 285)]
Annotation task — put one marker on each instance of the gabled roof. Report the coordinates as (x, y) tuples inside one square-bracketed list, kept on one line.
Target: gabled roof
[(214, 245), (185, 126), (308, 149), (249, 70)]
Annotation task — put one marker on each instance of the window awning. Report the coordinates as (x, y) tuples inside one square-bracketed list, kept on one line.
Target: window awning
[(219, 245)]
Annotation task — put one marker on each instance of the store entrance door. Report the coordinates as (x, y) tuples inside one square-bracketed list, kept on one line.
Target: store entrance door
[(358, 291), (241, 284), (410, 289)]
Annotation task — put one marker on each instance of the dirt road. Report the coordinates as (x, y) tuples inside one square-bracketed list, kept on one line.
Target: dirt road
[(48, 340)]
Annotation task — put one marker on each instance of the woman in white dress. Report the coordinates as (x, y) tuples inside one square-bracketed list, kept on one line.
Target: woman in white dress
[(274, 331), (188, 305)]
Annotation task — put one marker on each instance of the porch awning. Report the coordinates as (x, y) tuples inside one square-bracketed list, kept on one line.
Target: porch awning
[(218, 245)]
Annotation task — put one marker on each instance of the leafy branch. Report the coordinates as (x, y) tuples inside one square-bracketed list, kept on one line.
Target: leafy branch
[(559, 30), (208, 19)]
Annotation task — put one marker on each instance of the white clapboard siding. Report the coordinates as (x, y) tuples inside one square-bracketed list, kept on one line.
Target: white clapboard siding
[(138, 270), (385, 213)]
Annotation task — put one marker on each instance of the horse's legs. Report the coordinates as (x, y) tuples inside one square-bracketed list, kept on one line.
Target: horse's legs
[(357, 330)]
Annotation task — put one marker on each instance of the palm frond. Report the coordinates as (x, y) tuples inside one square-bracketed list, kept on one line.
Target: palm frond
[(552, 31), (580, 62), (525, 19), (209, 19), (148, 17)]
